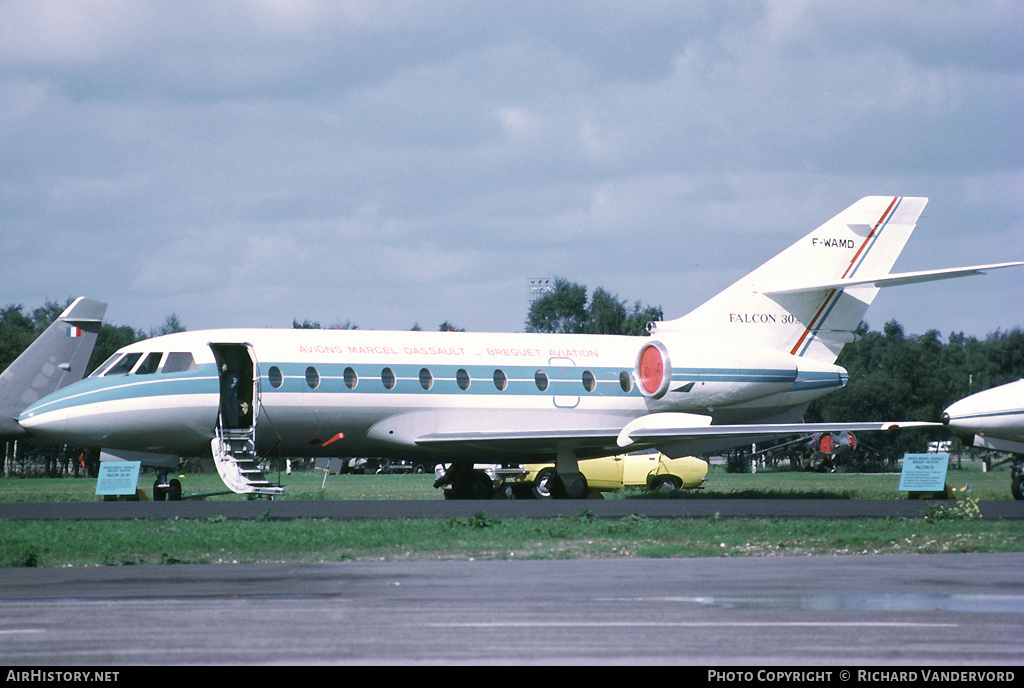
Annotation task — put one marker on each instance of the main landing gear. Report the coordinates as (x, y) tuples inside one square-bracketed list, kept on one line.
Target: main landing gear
[(463, 481)]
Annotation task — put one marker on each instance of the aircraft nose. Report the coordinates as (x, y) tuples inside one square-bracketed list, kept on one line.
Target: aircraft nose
[(44, 423)]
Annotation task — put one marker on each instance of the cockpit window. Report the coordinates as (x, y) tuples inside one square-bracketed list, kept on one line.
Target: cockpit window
[(149, 364), (125, 365), (178, 362), (106, 364)]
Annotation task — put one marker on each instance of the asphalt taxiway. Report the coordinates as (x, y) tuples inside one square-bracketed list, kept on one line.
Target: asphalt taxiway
[(831, 612)]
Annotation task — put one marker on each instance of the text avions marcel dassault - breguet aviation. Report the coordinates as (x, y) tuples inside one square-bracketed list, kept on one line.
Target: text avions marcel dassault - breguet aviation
[(740, 368)]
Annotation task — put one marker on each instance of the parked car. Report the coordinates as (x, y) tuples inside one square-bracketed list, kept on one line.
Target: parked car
[(650, 470)]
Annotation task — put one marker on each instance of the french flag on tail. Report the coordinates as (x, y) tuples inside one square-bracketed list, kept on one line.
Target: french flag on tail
[(74, 332)]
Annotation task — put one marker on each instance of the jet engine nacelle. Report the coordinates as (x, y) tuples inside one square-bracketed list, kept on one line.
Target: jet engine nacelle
[(685, 375), (835, 443)]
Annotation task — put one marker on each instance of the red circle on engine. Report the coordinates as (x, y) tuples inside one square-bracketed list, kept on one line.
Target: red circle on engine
[(826, 444), (652, 369)]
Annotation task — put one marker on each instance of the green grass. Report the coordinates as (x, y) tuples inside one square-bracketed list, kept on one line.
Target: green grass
[(219, 540), (310, 485), (948, 528)]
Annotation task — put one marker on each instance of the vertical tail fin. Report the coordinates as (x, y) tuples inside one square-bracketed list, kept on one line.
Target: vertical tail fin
[(55, 359), (779, 306)]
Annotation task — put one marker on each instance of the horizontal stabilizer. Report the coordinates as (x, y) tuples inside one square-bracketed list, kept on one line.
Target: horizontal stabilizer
[(892, 280)]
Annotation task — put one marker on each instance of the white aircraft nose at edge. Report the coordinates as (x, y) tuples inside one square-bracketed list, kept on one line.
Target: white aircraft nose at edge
[(994, 419)]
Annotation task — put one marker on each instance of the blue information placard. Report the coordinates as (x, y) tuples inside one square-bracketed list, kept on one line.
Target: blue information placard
[(924, 472), (118, 477)]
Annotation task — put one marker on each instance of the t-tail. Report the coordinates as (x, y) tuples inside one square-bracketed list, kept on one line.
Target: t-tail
[(55, 359), (797, 301), (808, 300)]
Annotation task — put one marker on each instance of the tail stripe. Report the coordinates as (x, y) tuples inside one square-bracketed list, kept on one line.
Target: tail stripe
[(858, 258), (833, 296)]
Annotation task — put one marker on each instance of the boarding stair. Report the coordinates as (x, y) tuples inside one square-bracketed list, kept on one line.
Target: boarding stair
[(234, 453)]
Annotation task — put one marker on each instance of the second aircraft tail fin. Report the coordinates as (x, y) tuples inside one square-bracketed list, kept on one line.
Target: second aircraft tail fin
[(55, 359)]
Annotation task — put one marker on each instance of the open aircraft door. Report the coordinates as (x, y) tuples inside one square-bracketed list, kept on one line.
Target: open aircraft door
[(234, 442)]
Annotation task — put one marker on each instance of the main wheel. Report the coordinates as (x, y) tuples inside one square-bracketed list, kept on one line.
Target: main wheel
[(547, 485), (475, 485), (1017, 486)]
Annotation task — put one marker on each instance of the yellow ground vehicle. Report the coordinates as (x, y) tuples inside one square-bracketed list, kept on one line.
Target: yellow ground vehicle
[(653, 471)]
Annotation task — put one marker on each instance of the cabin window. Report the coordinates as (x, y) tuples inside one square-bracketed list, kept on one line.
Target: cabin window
[(149, 364), (351, 379), (387, 376), (312, 377), (462, 377), (179, 362), (125, 365), (626, 381), (275, 377), (589, 383), (541, 378), (500, 381), (426, 379)]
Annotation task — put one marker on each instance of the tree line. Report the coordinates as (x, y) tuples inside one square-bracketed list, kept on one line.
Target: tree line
[(899, 377)]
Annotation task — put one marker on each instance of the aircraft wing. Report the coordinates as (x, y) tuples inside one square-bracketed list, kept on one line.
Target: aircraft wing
[(653, 430), (891, 280), (650, 430), (522, 440)]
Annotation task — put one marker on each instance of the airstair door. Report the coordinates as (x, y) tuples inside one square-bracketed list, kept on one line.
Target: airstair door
[(234, 442), (239, 385)]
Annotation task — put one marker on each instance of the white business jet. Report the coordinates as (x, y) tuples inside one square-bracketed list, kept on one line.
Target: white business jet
[(994, 419), (741, 368)]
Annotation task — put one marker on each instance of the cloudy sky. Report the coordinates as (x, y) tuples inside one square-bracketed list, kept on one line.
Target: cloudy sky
[(392, 163)]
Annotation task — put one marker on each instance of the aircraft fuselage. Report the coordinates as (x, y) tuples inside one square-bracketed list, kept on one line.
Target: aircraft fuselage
[(402, 394)]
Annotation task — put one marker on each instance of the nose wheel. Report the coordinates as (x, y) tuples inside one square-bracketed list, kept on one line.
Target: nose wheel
[(166, 490)]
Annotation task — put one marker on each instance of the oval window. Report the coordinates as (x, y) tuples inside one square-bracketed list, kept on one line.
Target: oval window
[(500, 381), (589, 383), (541, 378), (426, 379), (312, 377), (351, 379), (462, 377), (388, 378), (275, 377), (626, 381)]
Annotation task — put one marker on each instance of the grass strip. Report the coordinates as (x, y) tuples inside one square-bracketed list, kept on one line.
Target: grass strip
[(219, 540)]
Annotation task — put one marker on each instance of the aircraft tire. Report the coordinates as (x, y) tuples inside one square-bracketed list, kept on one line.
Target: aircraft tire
[(475, 485), (159, 492), (1017, 487), (547, 485), (174, 492)]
